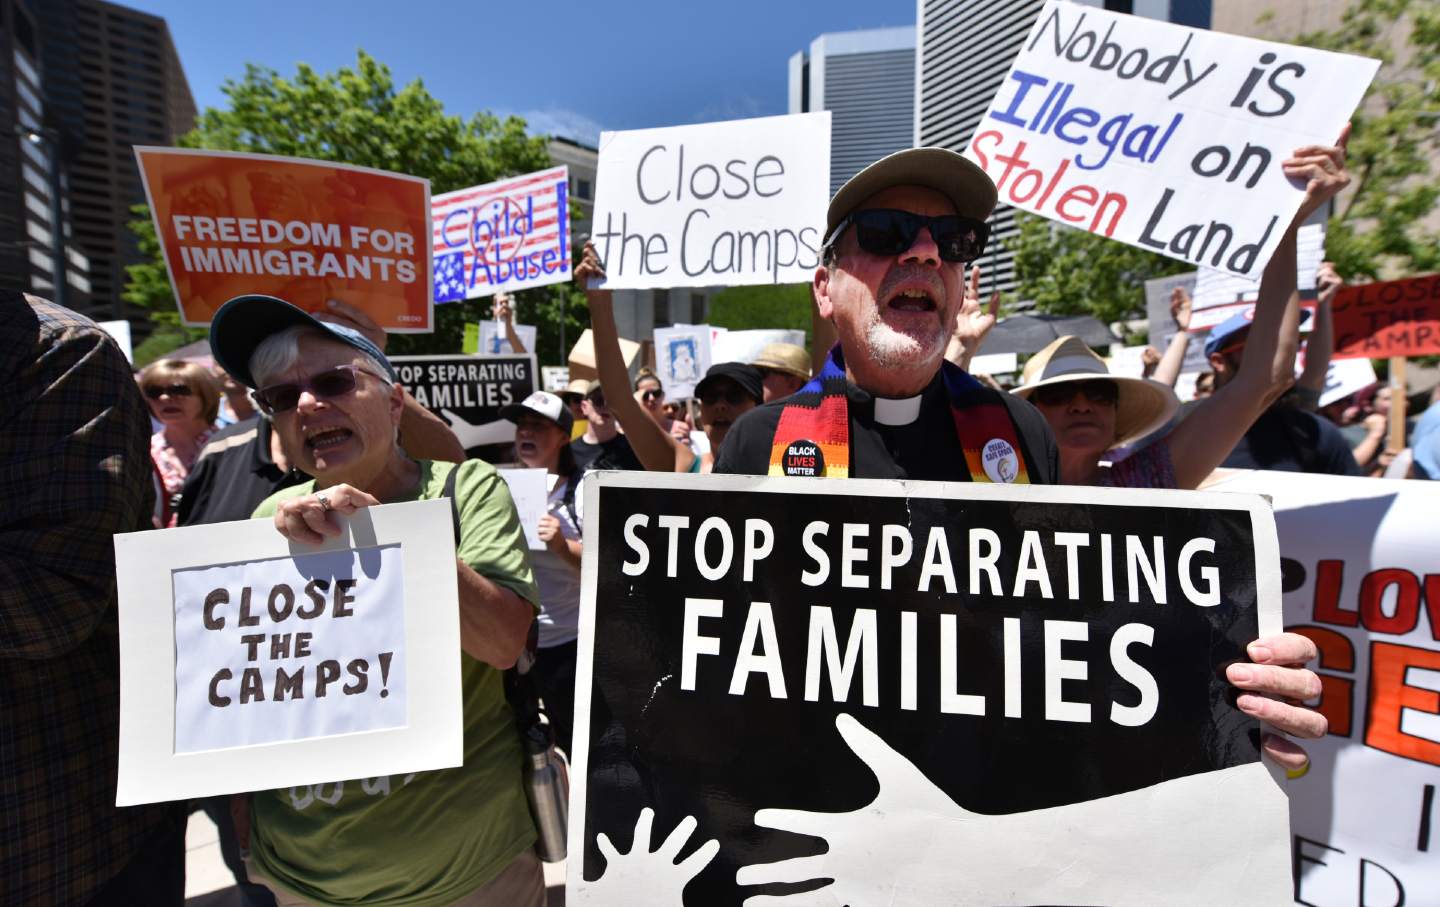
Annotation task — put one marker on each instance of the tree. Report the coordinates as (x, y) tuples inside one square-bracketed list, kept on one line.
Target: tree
[(757, 307), (358, 116), (1379, 228), (1072, 272)]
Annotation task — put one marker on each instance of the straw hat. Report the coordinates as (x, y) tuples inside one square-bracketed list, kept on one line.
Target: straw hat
[(1144, 405), (784, 357)]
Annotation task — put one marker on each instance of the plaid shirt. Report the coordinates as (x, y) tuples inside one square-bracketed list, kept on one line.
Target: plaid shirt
[(74, 469)]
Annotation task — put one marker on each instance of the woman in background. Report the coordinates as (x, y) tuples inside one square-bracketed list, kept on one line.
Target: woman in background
[(185, 399)]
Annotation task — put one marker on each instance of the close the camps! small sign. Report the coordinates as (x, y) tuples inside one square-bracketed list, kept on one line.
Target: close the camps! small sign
[(920, 693)]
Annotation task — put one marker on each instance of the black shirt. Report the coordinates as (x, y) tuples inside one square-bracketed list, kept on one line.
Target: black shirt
[(613, 454), (1292, 440), (926, 448), (232, 475)]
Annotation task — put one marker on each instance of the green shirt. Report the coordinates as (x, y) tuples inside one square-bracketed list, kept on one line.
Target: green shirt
[(427, 838)]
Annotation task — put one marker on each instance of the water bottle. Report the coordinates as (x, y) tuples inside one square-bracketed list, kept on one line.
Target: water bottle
[(547, 785)]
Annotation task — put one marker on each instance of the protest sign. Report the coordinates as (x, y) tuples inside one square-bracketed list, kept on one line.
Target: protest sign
[(1394, 318), (231, 637), (555, 377), (714, 204), (995, 364), (1359, 559), (1032, 676), (1344, 377), (682, 357), (582, 356), (494, 342), (1162, 324), (1161, 136), (503, 236), (745, 346), (1218, 295), (468, 392), (304, 231), (531, 492)]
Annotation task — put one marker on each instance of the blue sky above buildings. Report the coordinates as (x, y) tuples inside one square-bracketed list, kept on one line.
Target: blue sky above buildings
[(568, 68)]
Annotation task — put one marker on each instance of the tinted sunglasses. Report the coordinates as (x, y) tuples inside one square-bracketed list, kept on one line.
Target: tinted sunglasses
[(890, 231), (336, 382), (1100, 391), (650, 395), (733, 396), (156, 391)]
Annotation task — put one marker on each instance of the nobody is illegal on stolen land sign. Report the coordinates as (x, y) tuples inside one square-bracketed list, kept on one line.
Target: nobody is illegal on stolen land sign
[(920, 693)]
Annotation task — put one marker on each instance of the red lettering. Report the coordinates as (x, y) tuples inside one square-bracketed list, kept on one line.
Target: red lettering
[(1086, 195), (1407, 601), (1329, 578), (1105, 202), (1390, 696), (980, 157)]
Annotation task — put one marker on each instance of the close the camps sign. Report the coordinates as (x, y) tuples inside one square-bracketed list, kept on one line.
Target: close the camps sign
[(715, 204), (248, 663), (920, 693), (1161, 136)]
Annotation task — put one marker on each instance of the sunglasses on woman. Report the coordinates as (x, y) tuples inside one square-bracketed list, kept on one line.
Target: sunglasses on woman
[(156, 391), (335, 382), (890, 231), (1100, 391), (652, 395)]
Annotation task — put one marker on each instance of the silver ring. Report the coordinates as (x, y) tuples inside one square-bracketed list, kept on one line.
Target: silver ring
[(324, 501)]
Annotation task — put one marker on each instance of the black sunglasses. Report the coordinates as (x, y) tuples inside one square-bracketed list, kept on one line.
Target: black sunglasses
[(652, 394), (335, 382), (890, 231), (156, 391), (1100, 391)]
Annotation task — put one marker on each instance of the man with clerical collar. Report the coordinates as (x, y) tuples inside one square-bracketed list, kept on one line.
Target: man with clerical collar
[(886, 405)]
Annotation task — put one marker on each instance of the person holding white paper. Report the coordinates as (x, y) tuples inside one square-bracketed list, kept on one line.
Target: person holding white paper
[(431, 838), (542, 441)]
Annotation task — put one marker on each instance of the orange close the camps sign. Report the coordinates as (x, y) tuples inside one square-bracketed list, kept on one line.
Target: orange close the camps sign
[(1393, 318), (304, 231)]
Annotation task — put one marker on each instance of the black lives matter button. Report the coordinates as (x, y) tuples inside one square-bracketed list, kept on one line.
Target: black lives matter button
[(803, 458)]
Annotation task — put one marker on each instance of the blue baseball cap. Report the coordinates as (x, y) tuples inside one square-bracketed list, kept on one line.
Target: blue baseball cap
[(1235, 327), (245, 322)]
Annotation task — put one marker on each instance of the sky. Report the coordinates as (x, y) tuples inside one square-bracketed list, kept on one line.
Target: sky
[(632, 65)]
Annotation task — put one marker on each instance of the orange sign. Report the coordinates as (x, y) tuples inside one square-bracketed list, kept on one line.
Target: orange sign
[(1394, 318), (304, 231)]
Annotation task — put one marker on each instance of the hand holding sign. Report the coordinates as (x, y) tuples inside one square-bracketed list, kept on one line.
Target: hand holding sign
[(308, 519), (1322, 167), (646, 878), (1274, 685)]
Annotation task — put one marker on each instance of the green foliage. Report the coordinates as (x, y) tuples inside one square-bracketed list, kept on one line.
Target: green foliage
[(148, 287), (1377, 229), (1071, 272), (786, 306), (358, 116)]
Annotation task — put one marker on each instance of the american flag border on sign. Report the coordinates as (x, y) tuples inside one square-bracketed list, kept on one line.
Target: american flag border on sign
[(539, 201)]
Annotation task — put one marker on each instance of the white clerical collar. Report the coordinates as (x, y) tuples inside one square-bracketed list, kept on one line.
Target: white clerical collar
[(893, 411)]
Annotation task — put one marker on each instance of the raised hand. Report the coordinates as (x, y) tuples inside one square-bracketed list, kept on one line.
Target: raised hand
[(1327, 282), (1322, 168), (972, 324), (643, 877), (1180, 308), (590, 267), (502, 307)]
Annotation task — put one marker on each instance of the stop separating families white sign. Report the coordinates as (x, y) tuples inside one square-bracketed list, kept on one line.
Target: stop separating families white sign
[(716, 204), (1161, 136)]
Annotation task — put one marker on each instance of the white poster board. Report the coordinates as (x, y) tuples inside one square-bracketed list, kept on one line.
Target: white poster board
[(494, 342), (1161, 136), (1344, 377), (682, 357), (555, 378), (530, 490), (248, 662), (994, 364), (745, 346), (1359, 560), (714, 204), (502, 236)]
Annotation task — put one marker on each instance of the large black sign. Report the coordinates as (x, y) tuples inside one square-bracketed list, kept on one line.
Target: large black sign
[(468, 392), (866, 673)]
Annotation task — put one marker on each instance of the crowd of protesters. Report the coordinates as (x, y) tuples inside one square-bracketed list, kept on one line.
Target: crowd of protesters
[(316, 424)]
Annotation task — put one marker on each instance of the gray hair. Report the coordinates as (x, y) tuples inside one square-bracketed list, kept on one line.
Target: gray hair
[(281, 351)]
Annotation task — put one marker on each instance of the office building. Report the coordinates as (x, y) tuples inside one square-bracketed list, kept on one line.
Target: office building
[(115, 79), (866, 79)]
